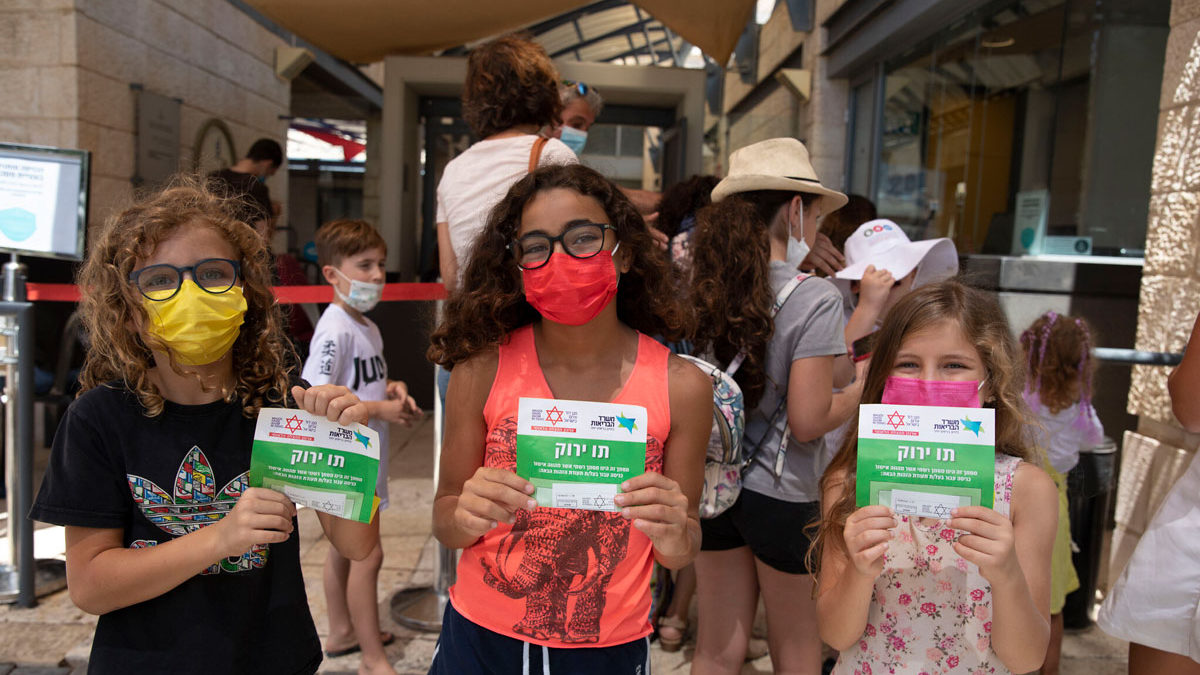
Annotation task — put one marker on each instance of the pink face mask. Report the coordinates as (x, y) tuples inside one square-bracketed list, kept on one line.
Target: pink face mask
[(912, 391)]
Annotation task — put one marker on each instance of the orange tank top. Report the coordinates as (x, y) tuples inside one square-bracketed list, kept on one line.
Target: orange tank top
[(562, 577)]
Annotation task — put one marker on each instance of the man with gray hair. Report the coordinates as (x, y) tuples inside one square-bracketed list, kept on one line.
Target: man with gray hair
[(581, 106)]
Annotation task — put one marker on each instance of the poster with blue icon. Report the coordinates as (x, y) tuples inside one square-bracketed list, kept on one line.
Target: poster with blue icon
[(43, 193)]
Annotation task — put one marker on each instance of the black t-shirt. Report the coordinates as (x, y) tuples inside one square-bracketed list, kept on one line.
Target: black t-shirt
[(254, 197), (157, 479)]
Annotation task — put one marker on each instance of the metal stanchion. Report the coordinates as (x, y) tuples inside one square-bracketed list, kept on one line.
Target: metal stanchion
[(25, 578), (421, 608)]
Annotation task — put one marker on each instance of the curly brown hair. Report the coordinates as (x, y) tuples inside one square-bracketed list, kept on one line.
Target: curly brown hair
[(510, 81), (682, 200), (490, 303), (112, 308), (1058, 352), (731, 282), (982, 320)]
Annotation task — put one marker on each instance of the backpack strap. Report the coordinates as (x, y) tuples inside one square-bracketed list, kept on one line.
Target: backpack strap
[(780, 298), (535, 153)]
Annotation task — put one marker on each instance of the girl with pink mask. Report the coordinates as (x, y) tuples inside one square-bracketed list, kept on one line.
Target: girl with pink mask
[(969, 593), (566, 285)]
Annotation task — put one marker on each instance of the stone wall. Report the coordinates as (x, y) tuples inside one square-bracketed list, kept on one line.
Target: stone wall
[(768, 109), (78, 59), (1160, 450)]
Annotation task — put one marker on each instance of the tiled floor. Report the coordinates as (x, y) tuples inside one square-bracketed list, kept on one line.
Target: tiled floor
[(56, 633)]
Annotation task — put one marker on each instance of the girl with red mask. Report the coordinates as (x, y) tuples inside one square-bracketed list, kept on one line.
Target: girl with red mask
[(970, 593), (566, 286)]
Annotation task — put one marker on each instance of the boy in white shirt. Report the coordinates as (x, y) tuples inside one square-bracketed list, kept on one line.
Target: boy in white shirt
[(347, 349)]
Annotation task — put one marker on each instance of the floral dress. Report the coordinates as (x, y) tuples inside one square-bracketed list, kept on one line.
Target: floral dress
[(931, 611)]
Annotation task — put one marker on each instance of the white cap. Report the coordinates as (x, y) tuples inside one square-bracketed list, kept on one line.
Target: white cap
[(883, 244)]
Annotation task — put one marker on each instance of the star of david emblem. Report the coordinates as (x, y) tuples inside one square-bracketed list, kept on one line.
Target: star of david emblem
[(941, 510), (895, 420), (554, 415), (293, 424)]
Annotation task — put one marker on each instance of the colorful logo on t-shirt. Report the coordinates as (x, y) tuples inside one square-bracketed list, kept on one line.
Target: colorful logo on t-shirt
[(195, 504)]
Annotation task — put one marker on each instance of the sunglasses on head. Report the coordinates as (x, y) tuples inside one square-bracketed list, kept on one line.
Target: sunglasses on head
[(579, 87)]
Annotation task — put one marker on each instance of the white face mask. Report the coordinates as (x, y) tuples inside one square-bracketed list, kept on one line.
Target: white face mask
[(363, 295), (797, 249)]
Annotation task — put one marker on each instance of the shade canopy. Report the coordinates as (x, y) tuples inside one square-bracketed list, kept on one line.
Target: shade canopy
[(363, 31)]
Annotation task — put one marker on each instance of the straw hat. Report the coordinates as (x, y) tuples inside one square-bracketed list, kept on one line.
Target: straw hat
[(883, 244), (776, 164)]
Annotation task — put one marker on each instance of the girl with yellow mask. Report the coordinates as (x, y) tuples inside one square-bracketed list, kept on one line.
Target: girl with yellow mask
[(189, 568)]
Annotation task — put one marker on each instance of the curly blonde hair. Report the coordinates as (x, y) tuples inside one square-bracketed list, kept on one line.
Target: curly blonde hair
[(982, 321), (112, 311)]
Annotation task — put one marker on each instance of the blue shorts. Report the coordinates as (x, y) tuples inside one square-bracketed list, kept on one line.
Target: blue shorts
[(465, 648)]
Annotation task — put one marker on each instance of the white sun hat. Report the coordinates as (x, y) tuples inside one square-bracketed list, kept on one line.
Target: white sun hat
[(776, 164), (883, 244)]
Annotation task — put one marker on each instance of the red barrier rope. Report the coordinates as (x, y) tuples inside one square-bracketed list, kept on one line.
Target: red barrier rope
[(285, 294)]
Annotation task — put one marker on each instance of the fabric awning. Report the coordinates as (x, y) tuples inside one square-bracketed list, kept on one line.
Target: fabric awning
[(363, 31)]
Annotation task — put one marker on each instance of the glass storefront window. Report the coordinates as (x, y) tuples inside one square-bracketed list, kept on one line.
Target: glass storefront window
[(1015, 107)]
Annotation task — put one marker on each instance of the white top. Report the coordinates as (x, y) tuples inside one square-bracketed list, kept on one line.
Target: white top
[(475, 181), (346, 352), (1062, 437)]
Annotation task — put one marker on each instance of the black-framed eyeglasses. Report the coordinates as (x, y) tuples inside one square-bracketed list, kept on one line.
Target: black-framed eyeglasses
[(162, 282), (581, 240)]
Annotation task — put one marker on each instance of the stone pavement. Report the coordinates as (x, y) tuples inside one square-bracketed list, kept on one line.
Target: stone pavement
[(55, 637)]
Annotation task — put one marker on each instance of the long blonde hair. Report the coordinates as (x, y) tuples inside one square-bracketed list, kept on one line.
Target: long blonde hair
[(111, 307), (982, 321)]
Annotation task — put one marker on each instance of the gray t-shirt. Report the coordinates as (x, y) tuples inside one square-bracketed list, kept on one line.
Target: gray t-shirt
[(809, 324)]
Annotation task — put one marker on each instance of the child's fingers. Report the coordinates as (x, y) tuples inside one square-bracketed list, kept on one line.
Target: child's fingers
[(979, 513), (267, 521), (876, 523), (504, 496), (473, 523), (356, 412), (979, 527), (869, 556), (655, 529), (658, 513), (867, 540), (646, 480), (269, 536)]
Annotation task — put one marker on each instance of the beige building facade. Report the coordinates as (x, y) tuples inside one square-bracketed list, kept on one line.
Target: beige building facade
[(73, 70)]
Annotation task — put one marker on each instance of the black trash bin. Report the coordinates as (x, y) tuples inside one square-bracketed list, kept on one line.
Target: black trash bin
[(1090, 487)]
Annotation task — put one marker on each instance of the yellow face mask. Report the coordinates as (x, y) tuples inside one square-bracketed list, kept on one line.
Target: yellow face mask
[(197, 326)]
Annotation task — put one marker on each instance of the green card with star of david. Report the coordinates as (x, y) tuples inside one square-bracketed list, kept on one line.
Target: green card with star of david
[(577, 453), (317, 463), (925, 460)]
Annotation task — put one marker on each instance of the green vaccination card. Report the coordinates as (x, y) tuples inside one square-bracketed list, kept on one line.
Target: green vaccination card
[(317, 463), (577, 453), (925, 460)]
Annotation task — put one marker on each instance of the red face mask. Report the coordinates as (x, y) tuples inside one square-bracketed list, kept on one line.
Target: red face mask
[(571, 291), (911, 391)]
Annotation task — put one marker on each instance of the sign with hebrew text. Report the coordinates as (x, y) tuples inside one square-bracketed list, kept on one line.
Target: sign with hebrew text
[(577, 453), (317, 463), (925, 460)]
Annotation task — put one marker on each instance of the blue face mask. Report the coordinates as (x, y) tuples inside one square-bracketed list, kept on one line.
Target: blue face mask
[(574, 139), (261, 179)]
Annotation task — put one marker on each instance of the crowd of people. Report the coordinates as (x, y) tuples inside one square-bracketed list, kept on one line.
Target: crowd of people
[(565, 287)]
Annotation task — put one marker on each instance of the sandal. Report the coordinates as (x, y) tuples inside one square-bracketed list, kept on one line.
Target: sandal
[(671, 643), (384, 636)]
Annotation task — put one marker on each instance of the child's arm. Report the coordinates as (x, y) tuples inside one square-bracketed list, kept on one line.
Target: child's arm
[(472, 498), (399, 406), (845, 584), (666, 506), (1014, 556), (352, 539), (103, 575), (1184, 384), (812, 407), (873, 292)]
